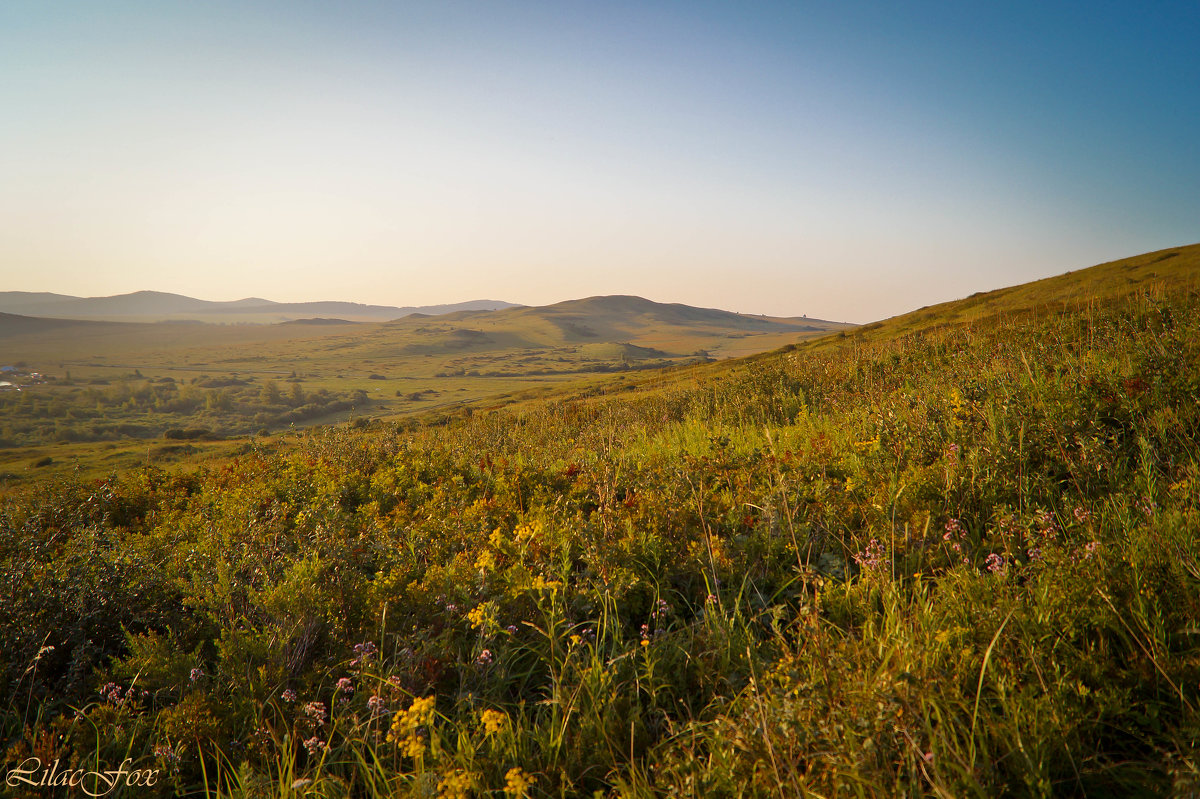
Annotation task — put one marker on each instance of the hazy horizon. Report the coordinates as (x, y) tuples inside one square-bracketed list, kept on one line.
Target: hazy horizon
[(847, 162)]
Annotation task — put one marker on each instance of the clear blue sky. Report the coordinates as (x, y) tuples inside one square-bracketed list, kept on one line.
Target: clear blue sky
[(844, 160)]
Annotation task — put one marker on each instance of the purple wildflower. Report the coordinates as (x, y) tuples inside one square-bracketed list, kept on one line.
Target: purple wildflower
[(376, 705), (995, 563), (314, 745), (364, 652), (873, 557), (288, 695), (485, 658), (345, 685), (196, 674)]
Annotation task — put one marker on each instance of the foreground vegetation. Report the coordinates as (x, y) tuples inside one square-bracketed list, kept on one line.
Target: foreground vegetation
[(963, 561)]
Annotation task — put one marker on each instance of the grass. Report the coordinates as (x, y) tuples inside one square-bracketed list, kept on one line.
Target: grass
[(955, 561)]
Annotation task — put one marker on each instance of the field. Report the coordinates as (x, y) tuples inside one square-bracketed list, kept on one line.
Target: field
[(955, 553)]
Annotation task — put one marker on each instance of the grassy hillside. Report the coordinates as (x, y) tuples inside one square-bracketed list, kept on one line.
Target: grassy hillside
[(1168, 269), (962, 560)]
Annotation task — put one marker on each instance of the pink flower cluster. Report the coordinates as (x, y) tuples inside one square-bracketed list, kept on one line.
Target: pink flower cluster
[(873, 557)]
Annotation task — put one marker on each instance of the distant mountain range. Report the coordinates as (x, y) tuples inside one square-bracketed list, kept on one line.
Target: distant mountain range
[(157, 306)]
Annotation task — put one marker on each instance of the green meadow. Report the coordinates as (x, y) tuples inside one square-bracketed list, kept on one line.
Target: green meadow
[(955, 553)]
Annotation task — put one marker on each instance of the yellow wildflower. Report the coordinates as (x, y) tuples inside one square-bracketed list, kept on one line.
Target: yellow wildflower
[(494, 721), (413, 746), (540, 583), (517, 783), (456, 784), (483, 617), (403, 732)]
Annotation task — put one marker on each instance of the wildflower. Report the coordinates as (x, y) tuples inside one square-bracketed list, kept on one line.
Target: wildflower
[(196, 674), (711, 599), (451, 608), (494, 721), (316, 710), (1081, 514), (517, 783), (111, 692), (483, 618), (575, 639), (1046, 522), (954, 529), (407, 723), (873, 557), (485, 658), (345, 685), (413, 746), (995, 563), (376, 705), (288, 695), (645, 635), (1034, 553), (486, 561), (1089, 549), (166, 752), (364, 652), (660, 610), (456, 785), (314, 745)]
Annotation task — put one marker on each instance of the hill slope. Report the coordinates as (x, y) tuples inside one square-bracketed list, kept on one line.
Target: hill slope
[(960, 560)]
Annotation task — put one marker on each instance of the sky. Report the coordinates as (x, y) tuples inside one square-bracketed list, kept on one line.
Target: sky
[(844, 160)]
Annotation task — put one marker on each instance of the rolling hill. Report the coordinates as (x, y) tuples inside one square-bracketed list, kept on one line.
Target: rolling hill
[(157, 306)]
